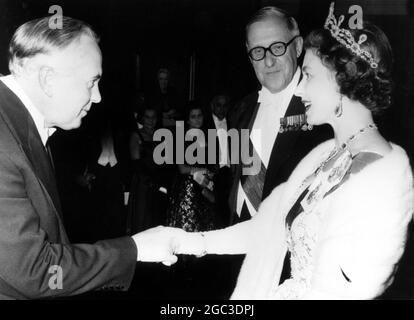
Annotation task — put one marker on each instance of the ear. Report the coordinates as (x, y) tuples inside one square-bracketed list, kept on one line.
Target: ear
[(299, 46), (45, 78), (247, 51)]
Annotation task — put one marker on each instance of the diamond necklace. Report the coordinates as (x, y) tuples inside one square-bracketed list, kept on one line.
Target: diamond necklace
[(344, 145), (371, 126)]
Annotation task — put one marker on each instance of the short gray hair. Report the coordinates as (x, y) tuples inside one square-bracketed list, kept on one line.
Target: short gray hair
[(36, 37), (270, 12)]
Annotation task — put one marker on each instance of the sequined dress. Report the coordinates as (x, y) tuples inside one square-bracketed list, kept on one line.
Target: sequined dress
[(188, 209)]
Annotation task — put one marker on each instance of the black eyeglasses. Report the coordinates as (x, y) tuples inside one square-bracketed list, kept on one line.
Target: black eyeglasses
[(276, 48)]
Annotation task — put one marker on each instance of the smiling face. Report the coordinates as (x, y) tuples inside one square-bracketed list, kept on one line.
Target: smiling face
[(274, 73), (318, 90), (72, 85)]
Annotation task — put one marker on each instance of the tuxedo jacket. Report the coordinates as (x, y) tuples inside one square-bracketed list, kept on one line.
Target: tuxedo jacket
[(34, 247), (288, 149), (222, 178)]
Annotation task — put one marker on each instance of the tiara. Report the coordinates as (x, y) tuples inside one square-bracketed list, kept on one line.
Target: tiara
[(344, 37)]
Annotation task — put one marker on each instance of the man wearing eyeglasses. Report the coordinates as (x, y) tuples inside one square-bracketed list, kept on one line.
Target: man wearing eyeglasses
[(274, 44)]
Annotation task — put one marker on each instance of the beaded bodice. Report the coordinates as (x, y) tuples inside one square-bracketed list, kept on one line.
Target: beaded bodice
[(306, 216)]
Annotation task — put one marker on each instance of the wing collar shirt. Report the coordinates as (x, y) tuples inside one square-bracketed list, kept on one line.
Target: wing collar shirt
[(266, 127), (37, 117), (221, 127)]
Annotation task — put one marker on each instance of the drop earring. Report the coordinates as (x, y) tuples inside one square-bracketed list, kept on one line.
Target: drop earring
[(338, 109)]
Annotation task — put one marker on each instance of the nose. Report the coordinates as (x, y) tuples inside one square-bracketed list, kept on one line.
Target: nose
[(96, 95), (269, 59), (299, 89)]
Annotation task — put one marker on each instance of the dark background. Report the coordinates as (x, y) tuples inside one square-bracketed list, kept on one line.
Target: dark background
[(166, 33)]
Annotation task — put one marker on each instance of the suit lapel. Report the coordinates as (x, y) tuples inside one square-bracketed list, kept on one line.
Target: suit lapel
[(248, 111), (283, 146), (24, 129)]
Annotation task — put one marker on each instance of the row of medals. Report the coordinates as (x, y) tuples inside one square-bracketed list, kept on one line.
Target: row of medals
[(294, 123)]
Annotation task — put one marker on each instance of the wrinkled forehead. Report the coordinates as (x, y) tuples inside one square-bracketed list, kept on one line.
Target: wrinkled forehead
[(267, 31)]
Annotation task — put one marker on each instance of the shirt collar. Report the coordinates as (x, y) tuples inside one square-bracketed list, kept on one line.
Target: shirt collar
[(217, 120), (37, 117)]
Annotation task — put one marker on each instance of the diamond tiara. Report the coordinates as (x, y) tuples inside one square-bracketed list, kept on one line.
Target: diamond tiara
[(344, 37)]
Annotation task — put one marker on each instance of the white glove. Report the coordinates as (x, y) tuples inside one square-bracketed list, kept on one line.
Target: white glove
[(156, 245), (193, 243)]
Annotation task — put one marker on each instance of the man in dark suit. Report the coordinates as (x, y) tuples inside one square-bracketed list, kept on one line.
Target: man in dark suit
[(217, 120), (53, 83), (274, 45)]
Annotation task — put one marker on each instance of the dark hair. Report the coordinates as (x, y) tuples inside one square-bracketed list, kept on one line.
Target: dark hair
[(271, 12), (355, 77), (215, 98), (193, 105), (37, 37), (141, 114)]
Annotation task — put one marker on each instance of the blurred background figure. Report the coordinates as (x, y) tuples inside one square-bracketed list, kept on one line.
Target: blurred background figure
[(191, 204), (150, 182), (108, 172), (217, 119), (164, 99)]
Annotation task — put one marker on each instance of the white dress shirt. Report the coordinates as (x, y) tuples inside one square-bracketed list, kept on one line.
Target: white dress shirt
[(266, 127), (221, 127), (37, 117), (107, 155)]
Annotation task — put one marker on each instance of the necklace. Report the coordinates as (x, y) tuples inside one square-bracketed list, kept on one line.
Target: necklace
[(344, 146), (371, 126)]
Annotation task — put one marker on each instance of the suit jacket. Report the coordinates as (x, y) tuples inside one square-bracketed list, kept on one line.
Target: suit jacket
[(222, 178), (33, 241), (288, 149)]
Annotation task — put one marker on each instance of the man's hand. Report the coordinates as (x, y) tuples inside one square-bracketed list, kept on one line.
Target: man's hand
[(156, 245)]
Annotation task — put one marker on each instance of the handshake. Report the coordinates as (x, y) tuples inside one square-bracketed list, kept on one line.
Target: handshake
[(162, 244)]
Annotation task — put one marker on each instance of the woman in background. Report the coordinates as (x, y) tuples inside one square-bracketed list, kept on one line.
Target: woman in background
[(191, 205), (192, 208), (147, 203)]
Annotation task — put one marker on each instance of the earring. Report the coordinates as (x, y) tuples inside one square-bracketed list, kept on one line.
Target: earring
[(338, 109)]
